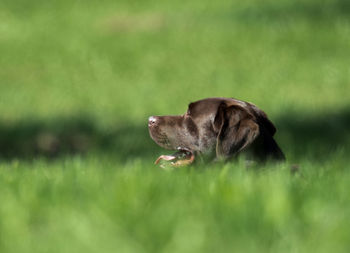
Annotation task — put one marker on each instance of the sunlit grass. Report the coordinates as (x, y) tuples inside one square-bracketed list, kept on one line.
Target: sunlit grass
[(97, 205)]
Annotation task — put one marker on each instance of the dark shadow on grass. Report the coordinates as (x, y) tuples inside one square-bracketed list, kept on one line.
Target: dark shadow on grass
[(314, 137), (70, 136), (319, 11)]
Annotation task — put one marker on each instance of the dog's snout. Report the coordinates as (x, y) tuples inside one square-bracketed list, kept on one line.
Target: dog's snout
[(152, 120)]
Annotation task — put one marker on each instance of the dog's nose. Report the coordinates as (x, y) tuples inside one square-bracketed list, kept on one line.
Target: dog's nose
[(152, 120)]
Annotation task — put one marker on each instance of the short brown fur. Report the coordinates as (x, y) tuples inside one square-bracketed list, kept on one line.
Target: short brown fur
[(223, 127)]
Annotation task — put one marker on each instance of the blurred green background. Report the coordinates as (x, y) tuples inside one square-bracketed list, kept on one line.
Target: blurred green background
[(78, 80)]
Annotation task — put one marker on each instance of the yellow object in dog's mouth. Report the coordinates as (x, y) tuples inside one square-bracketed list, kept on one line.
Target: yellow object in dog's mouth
[(181, 158)]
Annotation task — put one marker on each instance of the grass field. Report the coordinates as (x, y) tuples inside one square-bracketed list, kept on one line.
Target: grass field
[(78, 80)]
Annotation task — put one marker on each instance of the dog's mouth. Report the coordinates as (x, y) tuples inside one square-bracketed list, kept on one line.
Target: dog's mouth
[(180, 158)]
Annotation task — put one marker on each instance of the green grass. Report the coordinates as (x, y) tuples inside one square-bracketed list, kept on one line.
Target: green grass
[(78, 80)]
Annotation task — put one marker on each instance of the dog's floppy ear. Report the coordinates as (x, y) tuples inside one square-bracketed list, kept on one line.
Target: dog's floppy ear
[(236, 129)]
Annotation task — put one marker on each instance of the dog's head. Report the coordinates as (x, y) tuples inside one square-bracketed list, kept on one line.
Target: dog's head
[(214, 125)]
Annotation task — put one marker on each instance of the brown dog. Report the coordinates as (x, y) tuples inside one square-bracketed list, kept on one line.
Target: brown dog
[(221, 127)]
